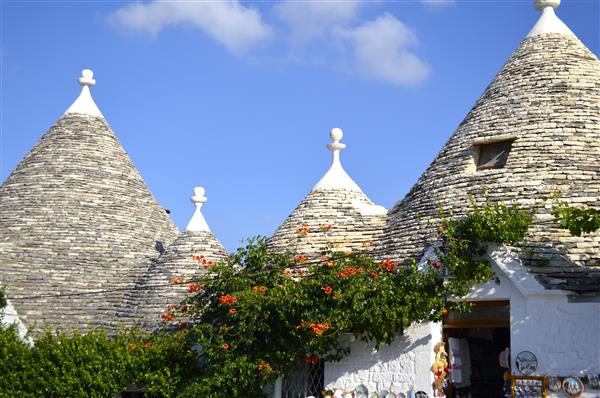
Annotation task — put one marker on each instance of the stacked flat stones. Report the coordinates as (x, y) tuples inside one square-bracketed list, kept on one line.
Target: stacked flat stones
[(335, 216), (79, 226), (157, 289), (546, 98)]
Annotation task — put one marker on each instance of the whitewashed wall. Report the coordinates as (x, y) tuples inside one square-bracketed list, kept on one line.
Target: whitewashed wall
[(563, 335), (397, 367)]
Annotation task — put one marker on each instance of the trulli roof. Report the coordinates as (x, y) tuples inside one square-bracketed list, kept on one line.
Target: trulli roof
[(167, 280), (335, 215), (546, 98), (78, 223)]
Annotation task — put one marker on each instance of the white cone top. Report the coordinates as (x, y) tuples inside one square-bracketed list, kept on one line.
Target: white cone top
[(336, 177), (84, 104), (549, 22), (197, 223)]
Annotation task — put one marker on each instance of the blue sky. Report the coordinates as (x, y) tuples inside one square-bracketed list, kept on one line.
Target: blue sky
[(239, 96)]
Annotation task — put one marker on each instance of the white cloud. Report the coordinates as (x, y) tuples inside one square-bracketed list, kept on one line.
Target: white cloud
[(437, 3), (381, 51), (228, 22), (309, 19)]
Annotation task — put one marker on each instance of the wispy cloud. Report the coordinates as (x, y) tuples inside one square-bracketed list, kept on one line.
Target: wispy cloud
[(308, 20), (381, 51), (437, 3), (237, 27)]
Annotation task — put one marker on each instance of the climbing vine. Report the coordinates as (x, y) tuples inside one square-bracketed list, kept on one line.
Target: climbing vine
[(261, 313), (577, 221)]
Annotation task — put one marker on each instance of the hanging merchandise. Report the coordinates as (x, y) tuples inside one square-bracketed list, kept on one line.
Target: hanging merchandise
[(440, 370), (572, 386), (553, 383), (526, 362)]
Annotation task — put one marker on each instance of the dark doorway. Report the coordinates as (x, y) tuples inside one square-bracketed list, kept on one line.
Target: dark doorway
[(477, 339)]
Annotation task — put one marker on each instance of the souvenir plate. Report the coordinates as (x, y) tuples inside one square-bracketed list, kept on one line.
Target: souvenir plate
[(421, 394), (553, 383), (526, 362), (572, 386)]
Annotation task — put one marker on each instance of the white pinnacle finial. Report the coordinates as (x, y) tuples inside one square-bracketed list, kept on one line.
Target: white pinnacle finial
[(84, 104), (549, 22), (197, 222), (87, 78), (541, 4), (336, 135), (336, 177)]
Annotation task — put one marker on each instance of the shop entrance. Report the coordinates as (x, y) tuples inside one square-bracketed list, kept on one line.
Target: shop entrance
[(474, 341)]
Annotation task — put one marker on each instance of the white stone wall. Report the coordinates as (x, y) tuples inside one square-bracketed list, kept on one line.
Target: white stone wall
[(563, 335), (397, 367)]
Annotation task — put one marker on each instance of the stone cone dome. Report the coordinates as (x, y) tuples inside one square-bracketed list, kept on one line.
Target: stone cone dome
[(545, 102), (335, 215), (167, 280), (79, 225)]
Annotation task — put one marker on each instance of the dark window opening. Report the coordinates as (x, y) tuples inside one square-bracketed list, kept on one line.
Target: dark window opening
[(493, 155)]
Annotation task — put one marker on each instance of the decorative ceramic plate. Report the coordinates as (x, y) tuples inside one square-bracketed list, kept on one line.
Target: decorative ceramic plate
[(526, 362), (421, 394), (572, 386), (401, 395), (553, 383)]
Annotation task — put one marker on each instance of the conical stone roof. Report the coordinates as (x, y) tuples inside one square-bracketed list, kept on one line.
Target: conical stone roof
[(168, 279), (78, 224), (546, 100), (335, 215)]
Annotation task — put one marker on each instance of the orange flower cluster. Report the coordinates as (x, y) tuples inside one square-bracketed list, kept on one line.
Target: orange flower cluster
[(303, 230), (204, 263), (194, 287), (180, 280), (374, 274), (227, 299), (259, 289), (328, 261), (225, 346), (326, 228), (264, 368), (300, 260), (311, 358), (327, 290), (170, 307), (130, 346), (319, 328), (388, 265), (147, 345), (168, 316), (232, 311), (350, 271)]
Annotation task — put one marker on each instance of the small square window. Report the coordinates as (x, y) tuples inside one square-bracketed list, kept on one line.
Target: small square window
[(493, 155)]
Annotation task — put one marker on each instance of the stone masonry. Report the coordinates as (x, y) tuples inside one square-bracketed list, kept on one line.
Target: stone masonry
[(78, 226)]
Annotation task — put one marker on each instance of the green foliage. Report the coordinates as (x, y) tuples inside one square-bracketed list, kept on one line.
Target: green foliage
[(92, 365), (577, 221), (259, 313)]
